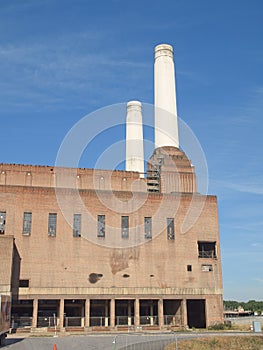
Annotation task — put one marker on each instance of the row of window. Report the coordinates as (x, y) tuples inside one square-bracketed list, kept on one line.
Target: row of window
[(101, 225), (206, 249)]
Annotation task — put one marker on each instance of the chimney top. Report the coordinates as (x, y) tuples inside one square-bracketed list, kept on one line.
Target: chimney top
[(134, 103), (163, 50)]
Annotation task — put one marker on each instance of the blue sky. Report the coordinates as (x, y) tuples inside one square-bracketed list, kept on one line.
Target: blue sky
[(63, 59)]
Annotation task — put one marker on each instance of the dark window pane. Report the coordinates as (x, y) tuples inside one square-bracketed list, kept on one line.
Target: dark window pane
[(206, 249), (27, 223), (52, 224), (170, 228), (77, 225), (148, 227), (101, 225), (2, 222), (125, 227)]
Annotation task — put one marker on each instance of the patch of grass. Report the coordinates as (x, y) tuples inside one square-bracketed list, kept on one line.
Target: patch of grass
[(220, 343), (220, 327)]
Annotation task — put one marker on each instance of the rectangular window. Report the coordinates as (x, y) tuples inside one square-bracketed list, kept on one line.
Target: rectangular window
[(189, 268), (27, 223), (170, 228), (101, 225), (52, 224), (125, 227), (77, 225), (207, 268), (23, 283), (206, 249), (148, 227), (2, 222)]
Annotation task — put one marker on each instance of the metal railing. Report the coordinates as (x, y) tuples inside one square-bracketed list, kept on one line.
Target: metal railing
[(149, 320), (21, 322), (124, 320), (99, 321), (207, 254), (72, 321), (172, 320), (48, 321)]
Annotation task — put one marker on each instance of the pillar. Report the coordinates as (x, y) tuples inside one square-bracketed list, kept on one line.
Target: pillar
[(184, 313), (106, 314), (61, 313), (160, 313), (151, 315), (87, 313), (82, 315), (137, 312), (129, 313), (112, 313), (35, 313)]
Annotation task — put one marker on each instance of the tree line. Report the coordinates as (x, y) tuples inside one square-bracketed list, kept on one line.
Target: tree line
[(251, 305)]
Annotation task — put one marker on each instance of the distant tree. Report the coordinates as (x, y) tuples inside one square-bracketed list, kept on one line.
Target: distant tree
[(251, 305), (231, 305)]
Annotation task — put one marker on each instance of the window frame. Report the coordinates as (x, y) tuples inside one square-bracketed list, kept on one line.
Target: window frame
[(170, 225), (125, 227), (27, 223), (207, 253), (148, 227), (52, 221), (2, 222), (101, 226), (76, 225)]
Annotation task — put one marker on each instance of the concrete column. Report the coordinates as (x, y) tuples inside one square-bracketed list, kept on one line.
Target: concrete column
[(35, 313), (87, 313), (166, 124), (106, 314), (134, 137), (137, 312), (112, 313), (129, 313), (160, 313), (151, 315), (82, 315), (61, 313), (184, 313)]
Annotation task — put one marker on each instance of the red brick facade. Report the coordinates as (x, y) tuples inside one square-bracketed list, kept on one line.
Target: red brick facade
[(163, 277)]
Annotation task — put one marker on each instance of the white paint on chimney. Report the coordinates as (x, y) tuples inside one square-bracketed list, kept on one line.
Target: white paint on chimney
[(134, 138), (166, 124)]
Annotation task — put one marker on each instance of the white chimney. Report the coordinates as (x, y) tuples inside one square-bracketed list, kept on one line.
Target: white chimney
[(134, 138), (166, 124)]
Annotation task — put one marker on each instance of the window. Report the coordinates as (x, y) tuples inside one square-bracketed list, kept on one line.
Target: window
[(27, 223), (23, 283), (125, 227), (189, 268), (170, 228), (52, 224), (101, 225), (2, 222), (207, 268), (77, 225), (206, 249), (148, 228)]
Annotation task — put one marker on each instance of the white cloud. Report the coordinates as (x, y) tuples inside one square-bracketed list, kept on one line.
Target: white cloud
[(50, 70)]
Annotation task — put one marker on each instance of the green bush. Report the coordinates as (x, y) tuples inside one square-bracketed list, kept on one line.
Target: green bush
[(220, 326)]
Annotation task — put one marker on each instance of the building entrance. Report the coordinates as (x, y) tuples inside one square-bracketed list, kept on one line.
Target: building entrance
[(196, 313)]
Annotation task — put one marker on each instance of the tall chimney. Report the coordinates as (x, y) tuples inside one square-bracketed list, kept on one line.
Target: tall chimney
[(134, 138), (166, 124)]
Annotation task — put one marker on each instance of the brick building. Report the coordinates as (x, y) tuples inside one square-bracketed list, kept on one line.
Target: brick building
[(110, 249)]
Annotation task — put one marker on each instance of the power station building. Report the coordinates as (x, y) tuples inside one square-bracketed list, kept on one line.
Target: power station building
[(110, 249)]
